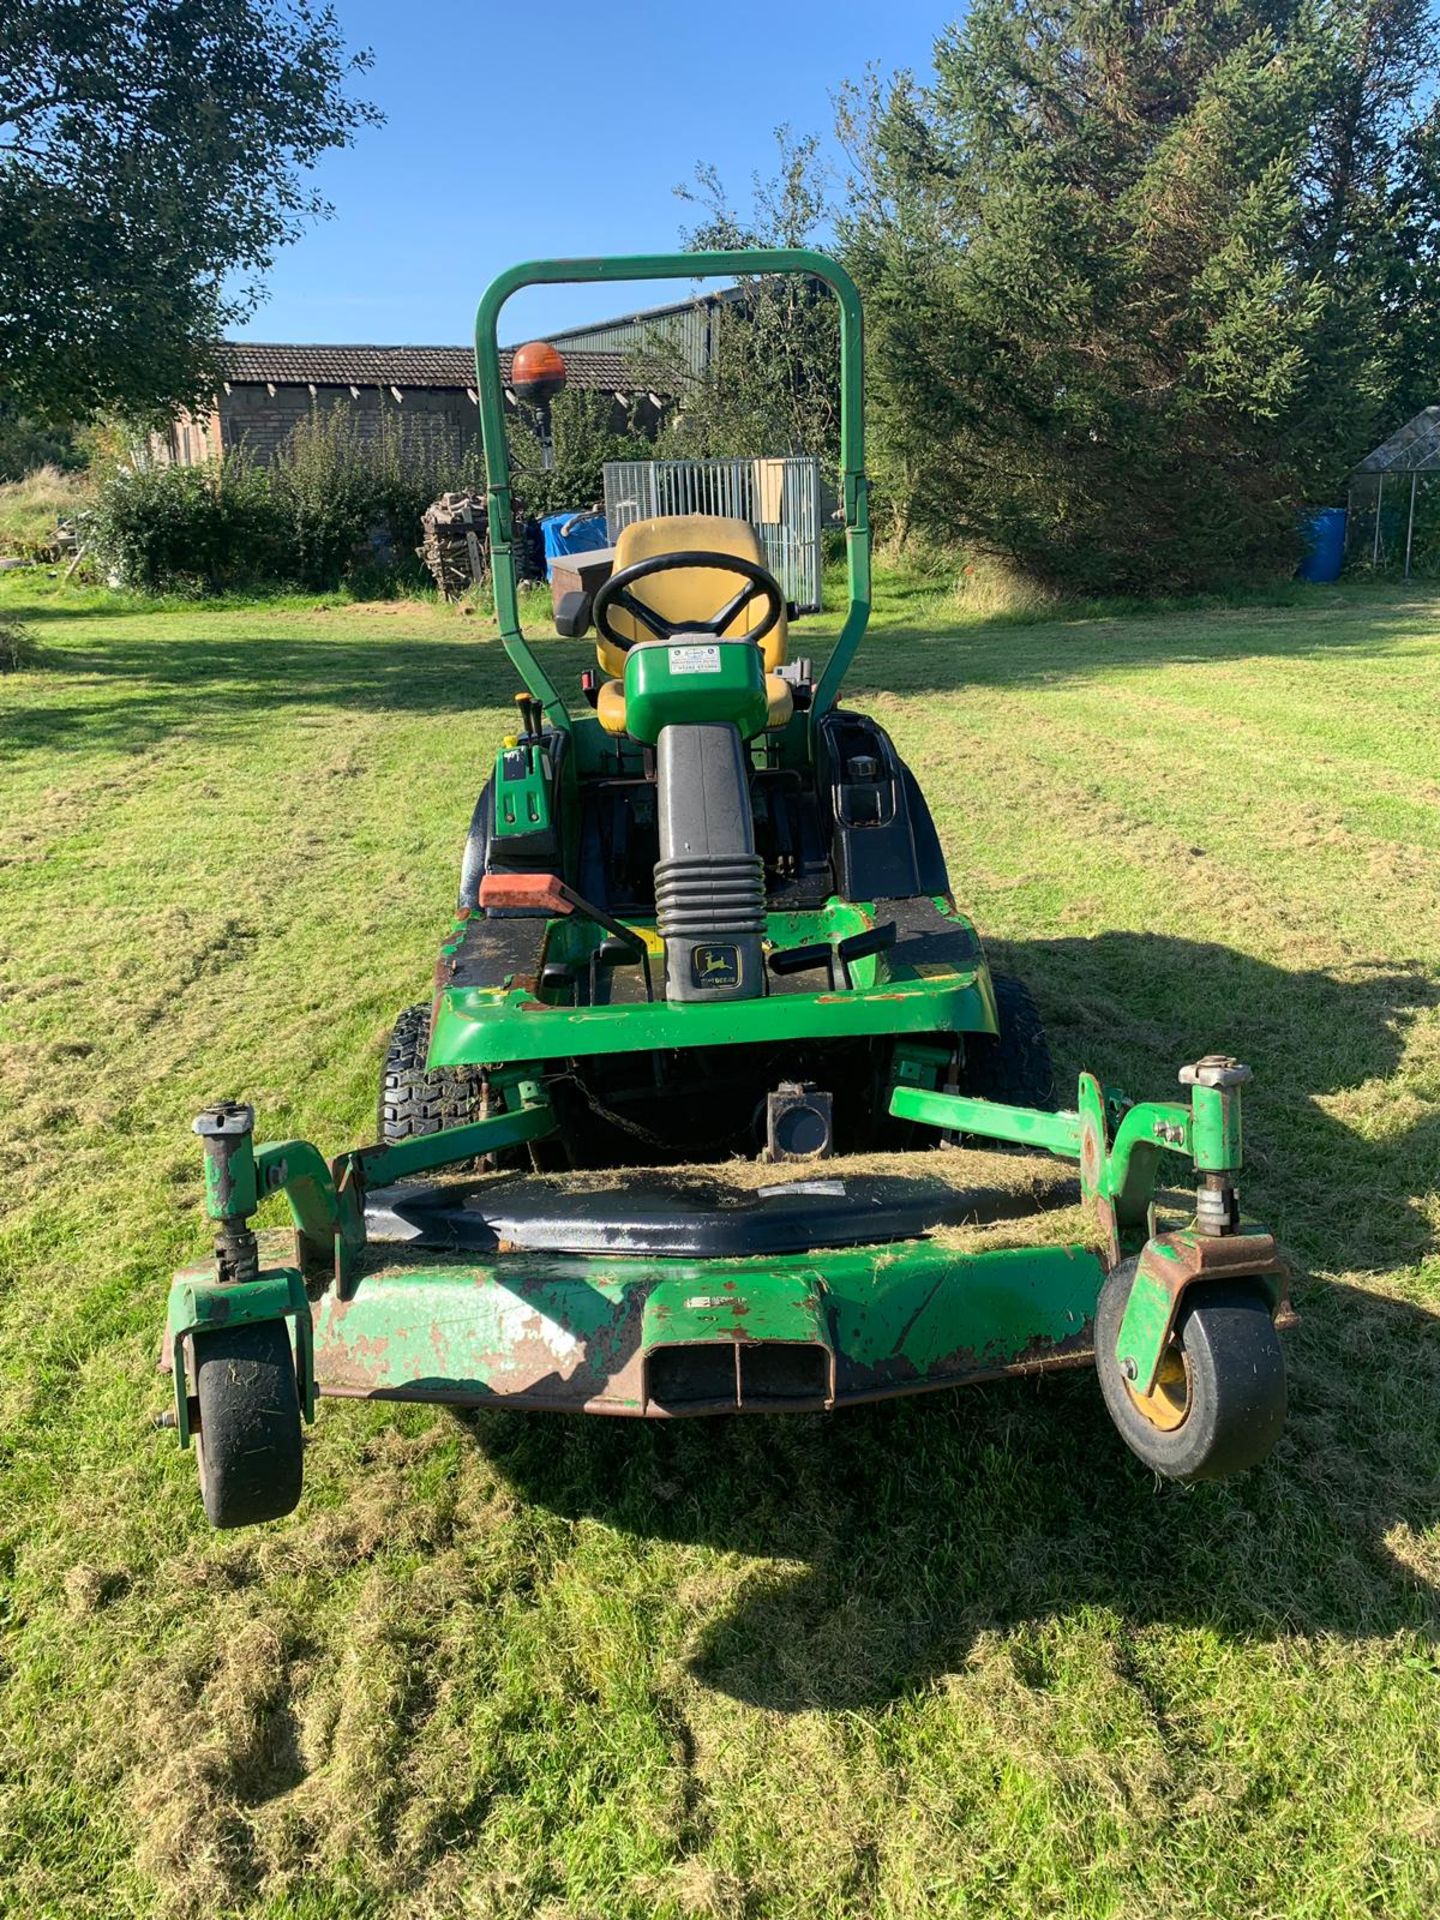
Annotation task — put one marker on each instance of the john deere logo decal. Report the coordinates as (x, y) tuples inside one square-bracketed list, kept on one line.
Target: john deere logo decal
[(715, 966)]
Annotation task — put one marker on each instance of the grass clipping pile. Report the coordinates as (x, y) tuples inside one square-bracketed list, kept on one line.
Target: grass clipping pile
[(979, 1200)]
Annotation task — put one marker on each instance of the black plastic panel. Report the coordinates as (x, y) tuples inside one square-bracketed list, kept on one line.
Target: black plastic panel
[(663, 1217), (883, 840), (476, 856)]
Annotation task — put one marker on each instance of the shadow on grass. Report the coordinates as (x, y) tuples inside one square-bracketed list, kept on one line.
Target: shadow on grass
[(137, 693), (213, 677), (894, 1535), (1132, 1007)]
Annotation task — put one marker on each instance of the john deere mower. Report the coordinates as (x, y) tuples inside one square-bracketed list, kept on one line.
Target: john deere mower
[(704, 919)]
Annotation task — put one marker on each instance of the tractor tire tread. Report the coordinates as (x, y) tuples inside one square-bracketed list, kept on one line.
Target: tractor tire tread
[(414, 1100), (1014, 1065)]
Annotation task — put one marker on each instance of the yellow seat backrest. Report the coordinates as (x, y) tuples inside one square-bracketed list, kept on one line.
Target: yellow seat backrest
[(689, 593)]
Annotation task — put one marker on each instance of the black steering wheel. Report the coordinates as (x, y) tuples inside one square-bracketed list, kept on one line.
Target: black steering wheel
[(616, 593)]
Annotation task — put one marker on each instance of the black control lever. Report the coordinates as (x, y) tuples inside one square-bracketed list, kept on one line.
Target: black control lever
[(820, 953), (855, 946)]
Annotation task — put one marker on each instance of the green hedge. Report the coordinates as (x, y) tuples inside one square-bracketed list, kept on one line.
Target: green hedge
[(307, 521), (167, 528)]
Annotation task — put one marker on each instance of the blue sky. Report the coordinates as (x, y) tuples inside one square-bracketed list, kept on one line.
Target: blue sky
[(495, 150)]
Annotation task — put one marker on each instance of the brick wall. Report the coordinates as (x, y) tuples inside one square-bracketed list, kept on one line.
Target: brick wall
[(253, 417), (193, 439)]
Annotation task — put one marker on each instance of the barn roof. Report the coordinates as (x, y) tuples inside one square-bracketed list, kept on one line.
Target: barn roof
[(1414, 449), (257, 361)]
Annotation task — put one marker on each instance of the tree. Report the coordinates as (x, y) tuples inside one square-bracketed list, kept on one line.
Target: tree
[(152, 155), (772, 385), (1142, 280), (26, 444), (586, 430)]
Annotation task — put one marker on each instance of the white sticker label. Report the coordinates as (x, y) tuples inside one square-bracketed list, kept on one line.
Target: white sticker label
[(695, 659)]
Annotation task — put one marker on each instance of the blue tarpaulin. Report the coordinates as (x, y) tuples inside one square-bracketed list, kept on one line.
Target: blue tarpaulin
[(572, 533)]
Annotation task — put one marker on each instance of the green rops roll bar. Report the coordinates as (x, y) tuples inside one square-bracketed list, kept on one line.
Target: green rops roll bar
[(674, 266)]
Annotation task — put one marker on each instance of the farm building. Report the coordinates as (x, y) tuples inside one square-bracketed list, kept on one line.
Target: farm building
[(635, 358), (680, 336), (272, 388)]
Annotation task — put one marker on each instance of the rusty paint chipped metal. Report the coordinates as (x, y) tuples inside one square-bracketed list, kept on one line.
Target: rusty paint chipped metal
[(1169, 1265), (560, 1332)]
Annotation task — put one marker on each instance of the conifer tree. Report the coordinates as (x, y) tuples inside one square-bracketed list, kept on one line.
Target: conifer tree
[(1144, 280)]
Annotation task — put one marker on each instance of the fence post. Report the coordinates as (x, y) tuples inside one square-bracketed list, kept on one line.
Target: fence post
[(1379, 502)]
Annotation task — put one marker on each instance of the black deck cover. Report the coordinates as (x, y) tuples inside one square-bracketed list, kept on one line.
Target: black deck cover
[(804, 1206)]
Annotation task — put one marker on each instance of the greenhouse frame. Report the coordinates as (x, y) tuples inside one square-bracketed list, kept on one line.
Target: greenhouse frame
[(1390, 511)]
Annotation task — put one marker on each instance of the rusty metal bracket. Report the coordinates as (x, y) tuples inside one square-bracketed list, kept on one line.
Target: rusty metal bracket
[(297, 1170), (200, 1303), (1170, 1264)]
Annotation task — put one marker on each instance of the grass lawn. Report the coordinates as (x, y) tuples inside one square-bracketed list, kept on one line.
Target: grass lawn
[(957, 1656)]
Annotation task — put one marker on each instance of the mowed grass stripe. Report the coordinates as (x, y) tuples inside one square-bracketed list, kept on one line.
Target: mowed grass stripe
[(1204, 831), (1151, 878), (958, 1656)]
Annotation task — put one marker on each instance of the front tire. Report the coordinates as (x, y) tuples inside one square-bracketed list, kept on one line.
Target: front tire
[(1218, 1403), (415, 1101), (1012, 1066), (247, 1443)]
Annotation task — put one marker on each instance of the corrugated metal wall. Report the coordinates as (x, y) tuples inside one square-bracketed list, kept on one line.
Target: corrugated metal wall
[(680, 333), (780, 498), (682, 337)]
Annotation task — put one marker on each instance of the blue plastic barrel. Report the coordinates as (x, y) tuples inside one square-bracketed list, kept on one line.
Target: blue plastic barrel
[(572, 533), (1324, 535)]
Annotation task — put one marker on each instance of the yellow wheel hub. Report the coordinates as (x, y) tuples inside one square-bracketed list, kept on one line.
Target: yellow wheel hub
[(1168, 1401)]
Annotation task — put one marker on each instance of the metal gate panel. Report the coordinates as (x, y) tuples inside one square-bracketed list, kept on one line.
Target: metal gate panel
[(779, 497)]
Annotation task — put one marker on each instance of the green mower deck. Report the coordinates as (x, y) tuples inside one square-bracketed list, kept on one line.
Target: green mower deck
[(793, 1333), (953, 1293)]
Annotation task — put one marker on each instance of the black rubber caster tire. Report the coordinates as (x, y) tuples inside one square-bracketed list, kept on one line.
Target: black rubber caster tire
[(247, 1441), (1012, 1066), (1222, 1382)]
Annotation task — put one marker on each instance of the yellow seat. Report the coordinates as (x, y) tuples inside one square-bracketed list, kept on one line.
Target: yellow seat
[(610, 706), (689, 594)]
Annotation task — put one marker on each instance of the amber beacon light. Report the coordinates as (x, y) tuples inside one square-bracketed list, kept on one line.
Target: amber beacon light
[(537, 371)]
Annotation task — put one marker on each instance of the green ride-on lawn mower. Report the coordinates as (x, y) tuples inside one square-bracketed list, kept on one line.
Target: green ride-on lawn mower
[(706, 918)]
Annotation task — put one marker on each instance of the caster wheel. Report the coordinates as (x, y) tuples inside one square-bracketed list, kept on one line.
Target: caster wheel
[(1218, 1402), (247, 1443)]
